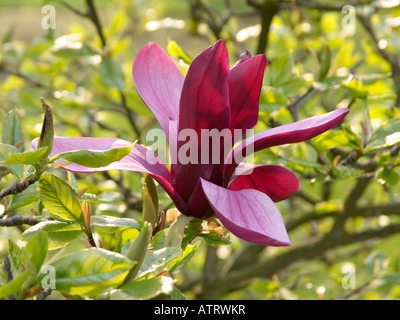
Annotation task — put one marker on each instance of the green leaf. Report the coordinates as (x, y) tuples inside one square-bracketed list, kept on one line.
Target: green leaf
[(344, 173), (280, 70), (387, 176), (94, 158), (59, 233), (158, 240), (15, 285), (28, 157), (26, 197), (176, 294), (16, 256), (176, 51), (137, 251), (60, 199), (272, 99), (110, 221), (302, 165), (112, 74), (146, 289), (150, 201), (181, 262), (5, 151), (331, 139), (324, 58), (104, 197), (90, 271), (12, 131), (356, 89), (35, 251), (385, 136), (158, 260), (176, 230), (213, 239)]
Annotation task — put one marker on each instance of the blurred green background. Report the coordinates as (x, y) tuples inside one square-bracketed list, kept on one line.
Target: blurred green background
[(346, 215)]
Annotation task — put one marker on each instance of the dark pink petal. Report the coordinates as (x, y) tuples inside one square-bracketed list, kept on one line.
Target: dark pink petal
[(289, 133), (275, 181), (204, 101), (204, 104), (198, 205), (249, 214), (140, 159), (159, 83), (245, 80)]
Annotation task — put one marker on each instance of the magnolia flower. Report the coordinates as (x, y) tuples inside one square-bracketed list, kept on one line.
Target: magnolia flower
[(212, 96)]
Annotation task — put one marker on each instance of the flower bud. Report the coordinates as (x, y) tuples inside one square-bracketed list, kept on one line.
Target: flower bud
[(47, 134)]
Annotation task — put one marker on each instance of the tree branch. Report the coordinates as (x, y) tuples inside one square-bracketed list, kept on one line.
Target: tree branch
[(93, 16), (267, 268), (393, 60), (267, 10), (18, 186), (18, 221)]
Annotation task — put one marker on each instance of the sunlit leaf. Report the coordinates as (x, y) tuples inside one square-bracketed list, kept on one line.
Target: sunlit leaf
[(385, 136), (90, 271), (145, 289), (175, 232), (14, 286), (60, 199), (387, 176), (28, 157), (176, 51), (110, 221), (94, 158), (59, 233), (331, 139)]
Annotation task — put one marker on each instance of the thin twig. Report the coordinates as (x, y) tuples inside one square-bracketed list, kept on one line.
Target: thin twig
[(18, 221), (94, 17), (267, 268), (44, 294), (18, 186)]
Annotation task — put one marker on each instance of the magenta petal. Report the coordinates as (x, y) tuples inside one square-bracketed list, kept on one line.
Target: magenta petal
[(198, 205), (159, 83), (248, 214), (289, 133), (140, 159), (275, 181), (204, 105), (245, 81), (204, 101)]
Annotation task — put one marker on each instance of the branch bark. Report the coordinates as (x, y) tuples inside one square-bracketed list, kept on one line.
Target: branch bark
[(238, 279), (392, 59), (18, 221), (18, 186)]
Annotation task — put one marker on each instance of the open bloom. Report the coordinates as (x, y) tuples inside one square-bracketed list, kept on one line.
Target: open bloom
[(212, 96)]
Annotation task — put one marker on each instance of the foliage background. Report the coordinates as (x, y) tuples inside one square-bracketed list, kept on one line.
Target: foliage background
[(347, 210)]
